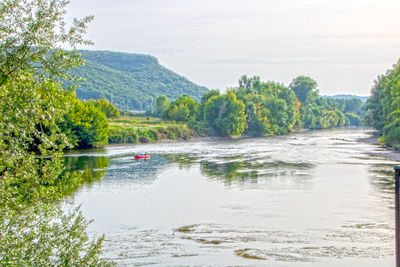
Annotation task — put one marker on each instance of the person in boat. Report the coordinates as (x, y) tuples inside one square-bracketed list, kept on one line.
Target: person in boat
[(141, 155)]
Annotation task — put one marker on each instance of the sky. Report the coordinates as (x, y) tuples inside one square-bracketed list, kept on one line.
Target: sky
[(342, 44)]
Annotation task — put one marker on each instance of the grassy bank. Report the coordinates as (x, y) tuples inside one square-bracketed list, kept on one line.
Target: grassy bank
[(140, 129)]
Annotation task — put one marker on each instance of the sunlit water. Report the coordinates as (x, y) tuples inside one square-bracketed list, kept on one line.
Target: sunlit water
[(307, 199)]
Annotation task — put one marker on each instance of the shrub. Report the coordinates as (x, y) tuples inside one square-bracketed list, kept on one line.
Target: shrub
[(120, 135)]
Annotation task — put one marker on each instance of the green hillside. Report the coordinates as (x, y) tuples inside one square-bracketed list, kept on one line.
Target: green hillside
[(130, 81)]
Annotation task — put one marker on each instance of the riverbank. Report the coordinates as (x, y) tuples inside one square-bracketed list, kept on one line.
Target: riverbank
[(144, 130), (389, 153), (137, 130), (132, 130)]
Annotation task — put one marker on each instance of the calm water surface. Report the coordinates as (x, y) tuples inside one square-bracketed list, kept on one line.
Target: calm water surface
[(307, 199)]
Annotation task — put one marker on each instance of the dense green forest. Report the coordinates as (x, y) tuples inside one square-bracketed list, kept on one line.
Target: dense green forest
[(383, 107), (320, 112), (130, 81), (257, 108), (254, 108)]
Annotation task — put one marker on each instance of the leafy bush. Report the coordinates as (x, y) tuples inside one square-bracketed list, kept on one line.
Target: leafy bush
[(120, 135), (182, 110), (85, 125), (200, 127)]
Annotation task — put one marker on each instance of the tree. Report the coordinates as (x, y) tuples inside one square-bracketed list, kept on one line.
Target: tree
[(303, 86), (161, 104), (34, 229), (271, 108), (183, 109), (383, 112), (317, 112), (251, 84), (353, 119), (204, 99), (33, 35), (85, 125), (225, 114), (107, 108), (353, 105), (179, 112)]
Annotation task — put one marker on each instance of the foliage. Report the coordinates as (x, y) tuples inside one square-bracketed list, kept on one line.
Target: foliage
[(107, 108), (303, 86), (130, 81), (271, 108), (30, 181), (41, 235), (34, 229), (85, 125), (351, 105), (324, 112), (200, 127), (178, 112), (119, 135), (32, 37), (225, 114), (353, 119), (29, 113), (183, 109), (383, 107), (131, 129), (162, 103), (204, 99)]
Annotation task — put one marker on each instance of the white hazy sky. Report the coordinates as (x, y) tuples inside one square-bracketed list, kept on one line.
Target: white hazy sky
[(343, 44)]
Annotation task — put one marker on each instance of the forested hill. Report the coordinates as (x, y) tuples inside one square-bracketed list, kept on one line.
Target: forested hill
[(362, 98), (130, 81)]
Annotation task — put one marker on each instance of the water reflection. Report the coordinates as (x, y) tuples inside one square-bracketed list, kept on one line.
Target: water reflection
[(226, 169), (381, 177), (94, 168), (314, 198), (238, 168), (126, 171)]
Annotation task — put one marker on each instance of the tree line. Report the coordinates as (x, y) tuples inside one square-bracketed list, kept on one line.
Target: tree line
[(383, 107), (253, 108), (257, 108)]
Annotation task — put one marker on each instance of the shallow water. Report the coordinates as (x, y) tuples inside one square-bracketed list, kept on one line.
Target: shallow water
[(307, 199)]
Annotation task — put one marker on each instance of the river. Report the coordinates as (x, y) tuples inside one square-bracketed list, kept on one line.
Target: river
[(316, 198)]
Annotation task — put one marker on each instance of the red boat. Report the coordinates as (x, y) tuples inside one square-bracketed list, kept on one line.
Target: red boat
[(145, 156)]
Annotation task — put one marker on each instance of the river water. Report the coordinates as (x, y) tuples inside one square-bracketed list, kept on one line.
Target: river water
[(316, 198)]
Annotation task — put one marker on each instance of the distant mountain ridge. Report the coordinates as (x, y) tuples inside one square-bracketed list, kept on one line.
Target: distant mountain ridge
[(130, 81), (343, 96)]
